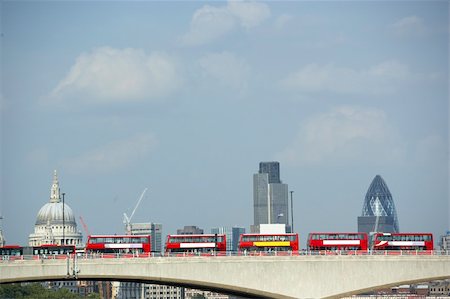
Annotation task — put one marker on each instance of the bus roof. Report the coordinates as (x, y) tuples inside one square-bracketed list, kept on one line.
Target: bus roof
[(195, 236), (118, 236)]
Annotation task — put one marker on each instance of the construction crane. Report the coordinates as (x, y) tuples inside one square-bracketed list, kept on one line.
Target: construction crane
[(86, 230), (126, 219)]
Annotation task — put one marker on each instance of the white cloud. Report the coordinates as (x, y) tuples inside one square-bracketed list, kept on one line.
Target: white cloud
[(411, 25), (379, 79), (282, 21), (345, 133), (210, 22), (113, 156), (117, 75), (249, 14), (225, 68)]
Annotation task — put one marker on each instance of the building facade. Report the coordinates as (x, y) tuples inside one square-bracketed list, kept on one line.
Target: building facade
[(190, 230), (378, 213), (440, 288), (2, 237), (132, 290), (232, 235), (55, 222), (270, 197), (152, 229), (444, 243)]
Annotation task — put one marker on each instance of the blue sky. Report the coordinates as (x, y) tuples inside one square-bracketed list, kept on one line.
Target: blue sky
[(186, 98)]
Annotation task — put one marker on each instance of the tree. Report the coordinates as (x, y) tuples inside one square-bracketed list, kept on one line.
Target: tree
[(36, 291)]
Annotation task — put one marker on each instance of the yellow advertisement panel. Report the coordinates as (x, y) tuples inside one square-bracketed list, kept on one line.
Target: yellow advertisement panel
[(272, 244)]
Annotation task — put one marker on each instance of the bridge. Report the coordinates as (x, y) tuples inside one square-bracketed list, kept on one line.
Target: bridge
[(286, 277)]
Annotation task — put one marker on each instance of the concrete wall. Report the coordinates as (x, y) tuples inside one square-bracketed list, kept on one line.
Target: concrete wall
[(269, 277)]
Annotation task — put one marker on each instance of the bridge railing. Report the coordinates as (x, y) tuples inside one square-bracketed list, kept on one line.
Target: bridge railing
[(8, 258)]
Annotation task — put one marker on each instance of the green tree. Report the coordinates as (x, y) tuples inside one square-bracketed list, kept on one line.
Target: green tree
[(37, 291), (94, 296)]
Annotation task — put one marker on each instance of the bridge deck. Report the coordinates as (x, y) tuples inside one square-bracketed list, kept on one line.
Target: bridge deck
[(303, 276)]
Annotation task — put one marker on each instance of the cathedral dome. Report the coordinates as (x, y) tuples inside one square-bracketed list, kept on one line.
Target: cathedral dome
[(55, 222), (52, 212)]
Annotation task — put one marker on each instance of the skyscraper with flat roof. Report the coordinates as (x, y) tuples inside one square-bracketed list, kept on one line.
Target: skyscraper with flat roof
[(270, 197), (152, 229), (273, 171), (378, 213)]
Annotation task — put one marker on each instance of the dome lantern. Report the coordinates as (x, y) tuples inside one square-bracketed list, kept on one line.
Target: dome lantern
[(54, 192)]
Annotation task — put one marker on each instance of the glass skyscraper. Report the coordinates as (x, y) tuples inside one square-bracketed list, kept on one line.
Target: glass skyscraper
[(270, 196), (378, 213)]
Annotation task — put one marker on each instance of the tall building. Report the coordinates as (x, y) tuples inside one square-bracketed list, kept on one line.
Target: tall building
[(270, 197), (378, 213), (152, 229), (444, 243), (2, 238), (55, 222), (273, 171), (128, 290), (232, 235)]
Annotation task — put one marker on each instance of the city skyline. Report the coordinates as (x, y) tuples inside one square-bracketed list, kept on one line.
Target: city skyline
[(186, 98)]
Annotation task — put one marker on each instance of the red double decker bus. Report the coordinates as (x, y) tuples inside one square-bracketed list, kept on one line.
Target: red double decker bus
[(338, 241), (403, 241), (118, 244), (268, 242), (205, 243)]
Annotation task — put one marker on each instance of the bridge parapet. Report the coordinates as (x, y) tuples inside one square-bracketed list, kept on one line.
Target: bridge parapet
[(304, 276)]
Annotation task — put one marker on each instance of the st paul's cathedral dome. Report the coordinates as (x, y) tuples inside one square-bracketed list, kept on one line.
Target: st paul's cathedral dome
[(51, 226)]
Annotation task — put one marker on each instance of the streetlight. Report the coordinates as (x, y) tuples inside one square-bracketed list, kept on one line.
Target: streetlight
[(292, 213), (64, 225)]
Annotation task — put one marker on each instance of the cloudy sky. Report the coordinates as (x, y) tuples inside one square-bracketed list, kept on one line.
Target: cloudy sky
[(186, 98)]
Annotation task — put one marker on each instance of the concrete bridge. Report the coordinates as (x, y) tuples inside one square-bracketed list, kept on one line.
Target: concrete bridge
[(255, 277)]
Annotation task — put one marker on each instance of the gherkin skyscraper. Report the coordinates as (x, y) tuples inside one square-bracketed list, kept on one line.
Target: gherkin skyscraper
[(378, 213)]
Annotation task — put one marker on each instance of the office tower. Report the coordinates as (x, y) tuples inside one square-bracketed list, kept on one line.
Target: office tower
[(273, 171), (232, 235), (2, 238), (378, 213), (140, 290), (152, 229), (270, 197), (444, 243), (156, 233)]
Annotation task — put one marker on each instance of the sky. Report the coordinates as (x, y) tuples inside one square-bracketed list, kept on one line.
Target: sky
[(186, 98)]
